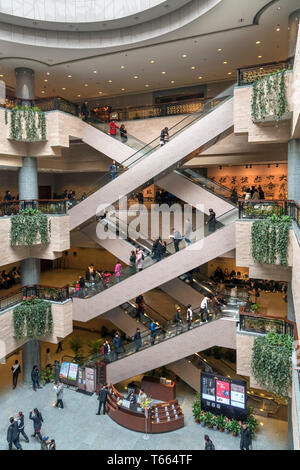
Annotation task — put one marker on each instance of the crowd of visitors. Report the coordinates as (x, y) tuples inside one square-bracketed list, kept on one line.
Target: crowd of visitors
[(10, 278)]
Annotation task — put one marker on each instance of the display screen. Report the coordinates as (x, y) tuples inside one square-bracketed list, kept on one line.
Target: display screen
[(64, 370), (223, 395), (73, 369)]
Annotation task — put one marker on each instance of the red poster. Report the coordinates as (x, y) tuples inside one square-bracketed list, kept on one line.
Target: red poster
[(223, 392)]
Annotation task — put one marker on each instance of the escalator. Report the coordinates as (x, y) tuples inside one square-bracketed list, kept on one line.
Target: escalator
[(190, 134), (205, 246)]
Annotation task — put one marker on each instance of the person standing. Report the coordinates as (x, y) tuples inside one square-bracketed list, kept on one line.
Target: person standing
[(82, 291), (164, 136), (37, 419), (132, 261), (246, 438), (21, 426), (208, 443), (106, 351), (177, 239), (188, 230), (137, 340), (117, 345), (35, 376), (177, 320), (140, 198), (113, 170), (102, 397), (153, 332), (113, 129), (123, 133), (261, 193), (13, 434), (140, 259), (189, 316), (204, 309), (211, 221), (118, 270), (16, 370), (59, 395), (141, 396)]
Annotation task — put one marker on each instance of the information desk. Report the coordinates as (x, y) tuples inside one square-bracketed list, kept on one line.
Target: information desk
[(154, 388), (163, 417)]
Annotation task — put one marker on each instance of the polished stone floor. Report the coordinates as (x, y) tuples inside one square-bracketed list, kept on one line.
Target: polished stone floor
[(77, 426)]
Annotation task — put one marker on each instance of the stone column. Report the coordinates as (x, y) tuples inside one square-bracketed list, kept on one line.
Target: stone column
[(294, 170), (294, 21), (28, 190)]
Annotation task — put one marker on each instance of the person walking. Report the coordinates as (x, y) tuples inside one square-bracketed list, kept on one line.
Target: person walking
[(21, 426), (35, 377), (13, 434), (153, 332), (102, 397), (37, 419), (118, 270), (137, 340), (106, 351), (59, 347), (211, 221), (208, 443), (189, 316), (59, 395), (16, 370), (132, 261), (113, 129), (113, 170), (246, 438), (188, 230), (117, 345), (177, 320), (82, 291)]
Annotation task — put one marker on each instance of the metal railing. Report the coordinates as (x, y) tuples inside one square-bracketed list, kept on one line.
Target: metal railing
[(262, 208), (54, 294), (47, 206), (248, 75), (255, 323), (55, 103)]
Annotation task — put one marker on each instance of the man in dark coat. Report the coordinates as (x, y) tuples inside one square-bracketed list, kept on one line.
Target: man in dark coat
[(211, 221), (246, 438), (102, 397), (137, 340), (13, 435), (117, 345), (16, 370)]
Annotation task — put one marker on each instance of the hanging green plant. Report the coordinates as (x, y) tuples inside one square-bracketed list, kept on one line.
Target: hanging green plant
[(269, 97), (32, 318), (27, 124), (272, 363), (269, 240), (29, 227)]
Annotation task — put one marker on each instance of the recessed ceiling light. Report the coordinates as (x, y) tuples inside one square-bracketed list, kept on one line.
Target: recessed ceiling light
[(258, 42), (79, 96), (123, 89), (193, 67), (100, 92), (86, 84), (184, 56), (219, 50), (147, 86), (200, 78), (1, 75), (278, 28), (47, 73), (122, 66), (45, 80), (42, 91), (69, 76), (225, 62), (136, 76), (229, 73), (163, 73), (172, 81), (259, 56), (94, 71), (152, 61), (63, 88), (109, 81)]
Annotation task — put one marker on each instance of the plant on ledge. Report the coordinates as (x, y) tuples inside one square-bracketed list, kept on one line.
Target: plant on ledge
[(26, 124), (269, 240), (272, 363), (269, 97), (28, 227), (32, 318)]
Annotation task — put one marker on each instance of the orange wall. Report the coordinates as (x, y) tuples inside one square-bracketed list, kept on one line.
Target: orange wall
[(274, 188)]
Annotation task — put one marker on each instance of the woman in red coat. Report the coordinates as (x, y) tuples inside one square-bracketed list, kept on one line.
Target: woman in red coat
[(113, 129)]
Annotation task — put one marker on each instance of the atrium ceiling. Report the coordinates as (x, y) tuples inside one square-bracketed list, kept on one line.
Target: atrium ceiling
[(231, 34)]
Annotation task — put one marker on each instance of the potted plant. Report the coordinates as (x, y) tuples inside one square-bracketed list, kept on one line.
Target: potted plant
[(235, 427), (197, 409), (47, 376), (252, 423), (214, 423), (227, 425), (255, 307), (202, 418), (220, 421), (209, 420)]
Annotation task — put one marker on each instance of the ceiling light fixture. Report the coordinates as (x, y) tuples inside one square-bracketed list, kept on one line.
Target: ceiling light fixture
[(100, 92), (229, 73), (200, 78), (94, 71), (225, 62), (69, 76), (1, 75), (45, 80), (42, 91), (259, 56), (47, 73), (109, 81), (184, 56), (123, 89), (64, 88), (163, 73), (219, 50), (278, 28), (122, 67), (172, 81), (86, 84), (193, 67), (258, 42), (147, 86), (152, 61), (78, 96)]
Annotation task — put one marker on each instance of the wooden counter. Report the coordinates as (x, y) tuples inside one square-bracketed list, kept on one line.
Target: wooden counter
[(154, 388), (163, 417)]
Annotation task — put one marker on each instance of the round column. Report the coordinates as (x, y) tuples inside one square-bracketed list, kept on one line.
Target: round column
[(28, 179), (294, 170), (25, 85), (294, 21)]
